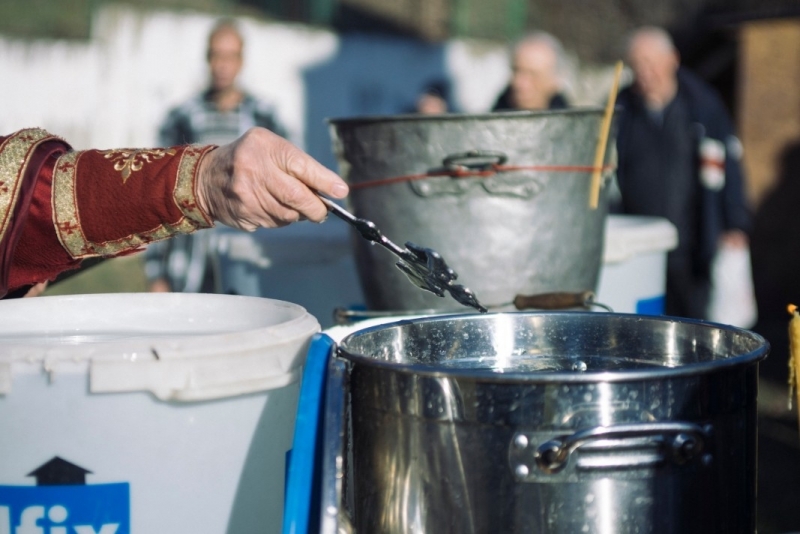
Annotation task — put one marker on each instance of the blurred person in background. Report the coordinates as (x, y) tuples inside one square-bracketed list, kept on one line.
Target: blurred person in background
[(679, 159), (212, 262), (776, 250), (59, 207), (536, 75), (433, 99)]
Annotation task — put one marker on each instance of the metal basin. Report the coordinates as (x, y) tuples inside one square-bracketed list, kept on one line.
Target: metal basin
[(503, 197), (553, 422)]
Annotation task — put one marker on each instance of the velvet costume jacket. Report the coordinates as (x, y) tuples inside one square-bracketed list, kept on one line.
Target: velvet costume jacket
[(59, 206)]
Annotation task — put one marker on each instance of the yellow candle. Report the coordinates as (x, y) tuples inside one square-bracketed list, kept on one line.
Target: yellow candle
[(794, 353)]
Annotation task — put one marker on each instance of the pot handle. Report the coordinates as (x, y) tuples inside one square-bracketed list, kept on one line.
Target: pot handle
[(474, 159), (684, 441)]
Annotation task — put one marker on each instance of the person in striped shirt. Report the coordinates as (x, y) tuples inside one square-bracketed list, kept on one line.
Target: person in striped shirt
[(217, 261)]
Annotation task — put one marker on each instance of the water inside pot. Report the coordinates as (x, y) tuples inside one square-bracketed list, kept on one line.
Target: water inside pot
[(548, 363)]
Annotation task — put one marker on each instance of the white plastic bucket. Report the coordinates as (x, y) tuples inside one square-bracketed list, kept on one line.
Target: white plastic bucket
[(633, 278), (147, 413)]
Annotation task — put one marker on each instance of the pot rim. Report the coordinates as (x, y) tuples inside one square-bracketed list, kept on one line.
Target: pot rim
[(421, 117), (654, 373)]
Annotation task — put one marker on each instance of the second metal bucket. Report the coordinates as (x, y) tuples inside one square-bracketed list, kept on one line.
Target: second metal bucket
[(554, 423), (503, 197)]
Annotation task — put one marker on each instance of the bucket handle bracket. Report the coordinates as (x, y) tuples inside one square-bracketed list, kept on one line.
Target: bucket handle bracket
[(484, 160), (485, 165)]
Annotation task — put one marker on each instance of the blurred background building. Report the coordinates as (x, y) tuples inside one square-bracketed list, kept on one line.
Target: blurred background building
[(124, 63)]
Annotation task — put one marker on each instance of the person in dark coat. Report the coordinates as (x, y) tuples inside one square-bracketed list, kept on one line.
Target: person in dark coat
[(536, 78), (679, 159)]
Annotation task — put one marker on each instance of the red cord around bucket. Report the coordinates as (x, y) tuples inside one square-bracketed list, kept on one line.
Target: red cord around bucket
[(464, 172)]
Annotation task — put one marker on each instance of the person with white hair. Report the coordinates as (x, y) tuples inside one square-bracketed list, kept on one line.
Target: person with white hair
[(536, 75), (679, 159)]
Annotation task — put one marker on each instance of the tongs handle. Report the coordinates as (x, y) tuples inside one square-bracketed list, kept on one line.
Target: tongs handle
[(424, 267), (366, 228), (337, 210)]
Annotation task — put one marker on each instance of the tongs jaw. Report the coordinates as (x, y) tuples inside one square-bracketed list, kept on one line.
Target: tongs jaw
[(424, 267), (427, 270)]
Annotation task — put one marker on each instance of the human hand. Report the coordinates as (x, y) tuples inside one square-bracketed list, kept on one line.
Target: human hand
[(262, 179), (159, 286), (36, 289), (733, 239)]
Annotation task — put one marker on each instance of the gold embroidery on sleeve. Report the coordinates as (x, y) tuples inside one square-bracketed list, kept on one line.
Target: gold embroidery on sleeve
[(14, 155), (135, 241), (65, 207), (131, 160), (66, 215), (184, 193)]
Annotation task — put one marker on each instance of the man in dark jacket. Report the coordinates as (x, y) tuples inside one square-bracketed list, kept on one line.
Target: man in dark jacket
[(536, 78), (679, 159)]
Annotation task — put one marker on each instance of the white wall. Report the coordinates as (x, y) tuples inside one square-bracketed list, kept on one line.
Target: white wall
[(114, 90)]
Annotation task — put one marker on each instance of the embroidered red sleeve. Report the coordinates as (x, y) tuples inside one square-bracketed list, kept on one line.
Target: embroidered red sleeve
[(106, 203), (25, 156), (38, 255)]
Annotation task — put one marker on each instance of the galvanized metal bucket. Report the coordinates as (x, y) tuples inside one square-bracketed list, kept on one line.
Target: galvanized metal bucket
[(503, 197), (553, 423)]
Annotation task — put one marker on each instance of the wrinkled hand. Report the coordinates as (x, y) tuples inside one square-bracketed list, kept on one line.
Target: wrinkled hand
[(262, 180)]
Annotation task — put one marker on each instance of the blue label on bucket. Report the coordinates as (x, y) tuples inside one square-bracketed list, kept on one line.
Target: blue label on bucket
[(67, 509), (651, 306)]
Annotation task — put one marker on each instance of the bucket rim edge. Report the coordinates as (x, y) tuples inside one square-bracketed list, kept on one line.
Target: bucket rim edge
[(420, 117), (659, 373)]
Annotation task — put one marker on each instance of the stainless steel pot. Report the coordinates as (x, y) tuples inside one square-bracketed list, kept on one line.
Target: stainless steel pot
[(504, 198), (553, 422)]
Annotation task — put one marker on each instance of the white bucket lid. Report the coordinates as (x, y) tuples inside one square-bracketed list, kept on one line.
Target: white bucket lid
[(628, 236), (178, 346)]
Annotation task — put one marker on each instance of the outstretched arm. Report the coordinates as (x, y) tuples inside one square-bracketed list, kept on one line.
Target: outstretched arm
[(112, 202)]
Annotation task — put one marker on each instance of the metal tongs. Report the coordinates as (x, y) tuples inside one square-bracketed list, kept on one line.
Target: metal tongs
[(423, 266)]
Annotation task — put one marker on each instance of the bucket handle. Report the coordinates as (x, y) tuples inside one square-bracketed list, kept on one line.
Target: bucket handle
[(479, 163), (684, 441), (474, 159)]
